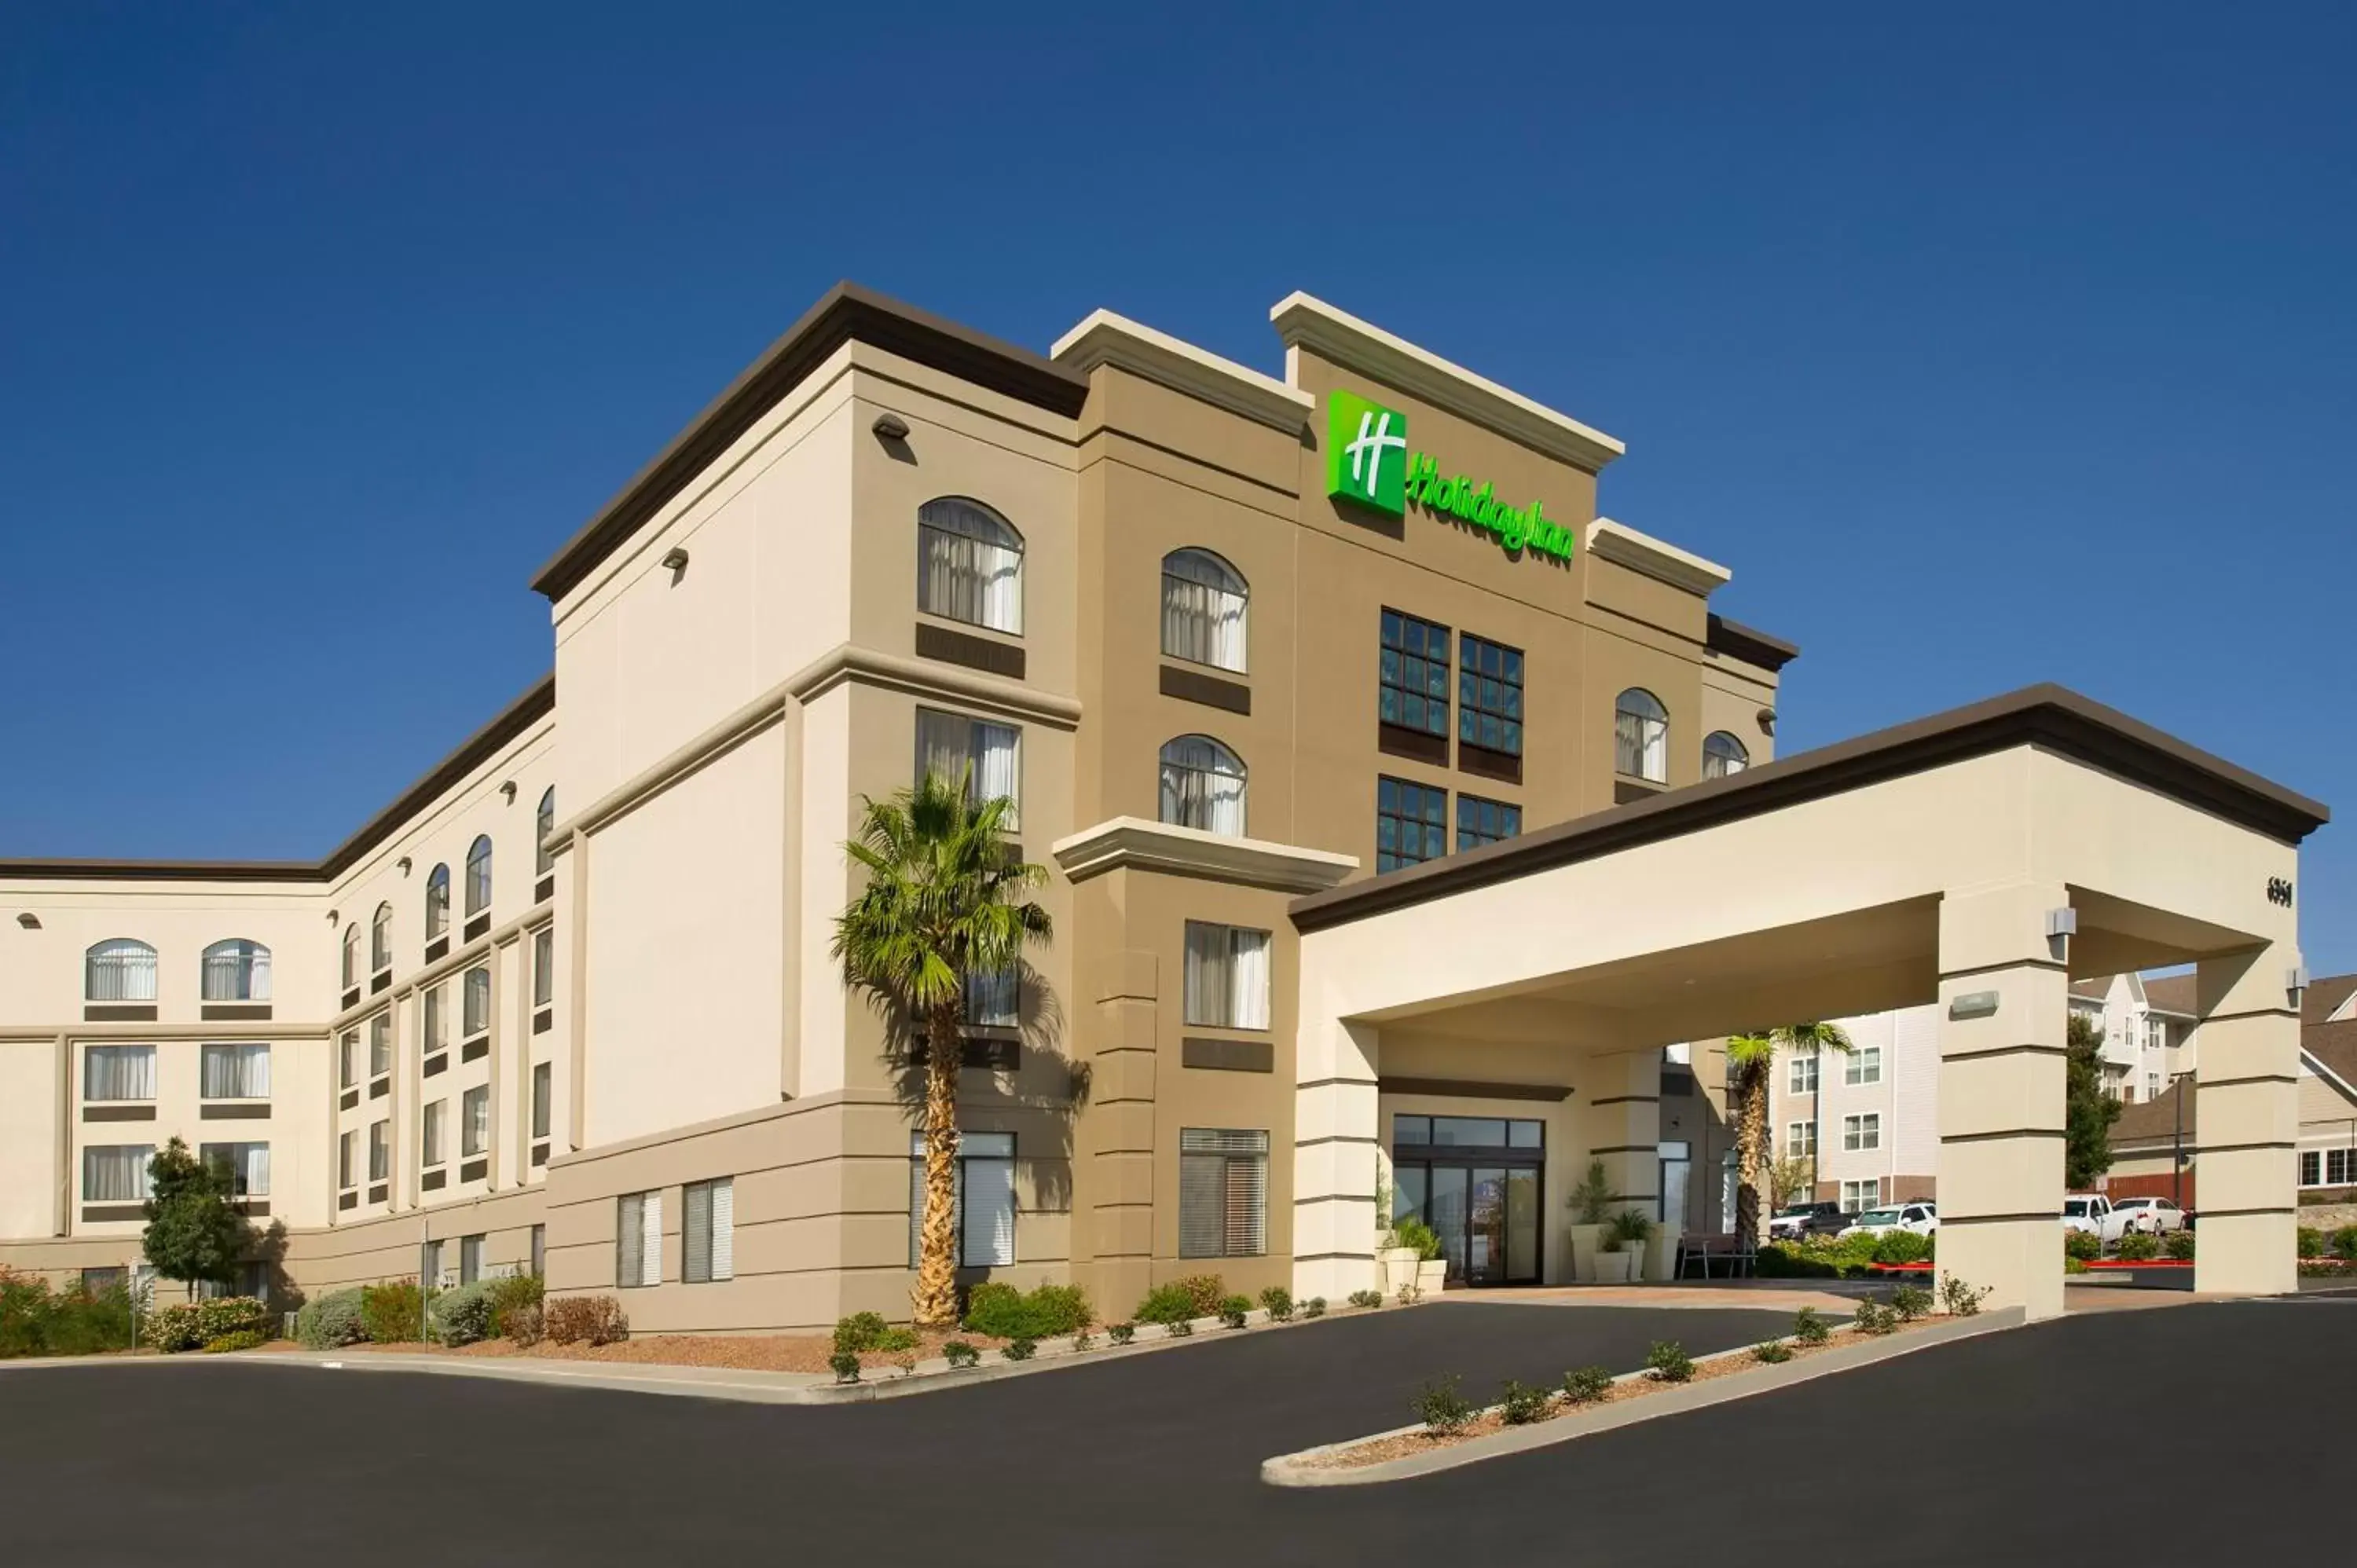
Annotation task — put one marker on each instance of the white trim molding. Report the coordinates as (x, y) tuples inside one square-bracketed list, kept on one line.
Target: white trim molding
[(1133, 843), (1624, 547), (1305, 321), (1107, 338)]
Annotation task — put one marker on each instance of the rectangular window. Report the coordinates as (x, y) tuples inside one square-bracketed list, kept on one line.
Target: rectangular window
[(2340, 1167), (1203, 607), (2152, 1086), (637, 1240), (348, 1072), (1413, 675), (1222, 1193), (1863, 1066), (247, 1166), (379, 1150), (1801, 1140), (433, 1134), (1489, 696), (1480, 822), (470, 1259), (1227, 977), (969, 567), (120, 971), (539, 1249), (475, 1120), (236, 971), (982, 1201), (99, 1281), (1858, 1196), (540, 1098), (118, 1072), (437, 1028), (115, 1173), (345, 1177), (381, 1044), (988, 756), (544, 965), (1862, 1132), (708, 1242), (994, 1000), (1411, 823), (2312, 1168), (235, 1072), (1801, 1075), (476, 1003), (429, 1264)]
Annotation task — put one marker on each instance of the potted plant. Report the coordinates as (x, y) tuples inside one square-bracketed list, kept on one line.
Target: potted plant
[(1633, 1229), (1612, 1259), (1591, 1206), (1396, 1259), (1431, 1274)]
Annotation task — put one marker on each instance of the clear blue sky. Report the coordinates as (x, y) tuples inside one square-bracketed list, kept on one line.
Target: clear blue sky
[(2008, 347)]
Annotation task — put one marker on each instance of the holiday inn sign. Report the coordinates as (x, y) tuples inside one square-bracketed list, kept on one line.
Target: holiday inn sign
[(1370, 463)]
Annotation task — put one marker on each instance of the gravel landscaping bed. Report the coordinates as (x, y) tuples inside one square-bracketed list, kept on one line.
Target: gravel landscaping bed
[(743, 1353)]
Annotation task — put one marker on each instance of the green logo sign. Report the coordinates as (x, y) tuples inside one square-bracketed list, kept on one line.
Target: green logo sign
[(1368, 462)]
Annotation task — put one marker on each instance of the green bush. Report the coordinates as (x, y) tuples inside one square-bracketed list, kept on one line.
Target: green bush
[(192, 1324), (2136, 1247), (1278, 1302), (1180, 1329), (2312, 1241), (34, 1321), (333, 1321), (1910, 1302), (1809, 1329), (845, 1364), (1366, 1298), (1234, 1309), (1772, 1352), (2084, 1245), (1019, 1350), (1084, 1340), (509, 1296), (1049, 1312), (1669, 1362), (1902, 1247), (1197, 1296), (244, 1339), (860, 1331), (1314, 1308), (958, 1353), (1586, 1385), (463, 1316), (1519, 1404), (1873, 1317), (1121, 1333), (2344, 1241), (2178, 1244), (2074, 1265), (1961, 1299), (392, 1312), (1441, 1405), (1415, 1233)]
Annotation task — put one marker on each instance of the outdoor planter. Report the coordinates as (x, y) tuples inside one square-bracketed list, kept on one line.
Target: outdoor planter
[(1399, 1266), (1612, 1268), (1432, 1276), (1580, 1242)]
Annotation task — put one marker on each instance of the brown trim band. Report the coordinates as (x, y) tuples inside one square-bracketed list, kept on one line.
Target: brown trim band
[(952, 647), (118, 1113), (1628, 1099), (1227, 1055), (1739, 642), (233, 1113), (233, 1012), (2046, 716), (1195, 687), (117, 1013), (111, 1213), (2001, 1134), (1472, 1089), (1626, 1149)]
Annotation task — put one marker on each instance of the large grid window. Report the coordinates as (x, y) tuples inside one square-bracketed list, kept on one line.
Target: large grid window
[(1222, 1193), (1863, 1065), (1641, 736), (1414, 674), (118, 1072), (1227, 976), (1722, 754), (969, 565), (115, 1173), (637, 1240), (121, 969), (989, 756), (1203, 605), (1863, 1132), (1411, 823), (234, 1072), (982, 1205), (1480, 822), (1489, 696), (1858, 1196), (1801, 1140), (1203, 786), (245, 1166), (1800, 1074), (2327, 1167), (708, 1231), (236, 971)]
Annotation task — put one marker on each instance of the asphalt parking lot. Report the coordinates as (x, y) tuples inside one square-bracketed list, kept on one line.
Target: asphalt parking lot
[(1954, 1451)]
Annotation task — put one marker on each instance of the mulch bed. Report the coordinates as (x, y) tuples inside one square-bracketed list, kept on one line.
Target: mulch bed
[(745, 1353)]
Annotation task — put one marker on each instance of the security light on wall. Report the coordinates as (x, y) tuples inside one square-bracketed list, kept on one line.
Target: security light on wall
[(2063, 922), (890, 427), (507, 791), (30, 921), (2295, 981), (1767, 721), (675, 561), (404, 865)]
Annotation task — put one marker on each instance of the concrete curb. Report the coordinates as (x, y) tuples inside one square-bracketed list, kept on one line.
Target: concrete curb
[(1293, 1469)]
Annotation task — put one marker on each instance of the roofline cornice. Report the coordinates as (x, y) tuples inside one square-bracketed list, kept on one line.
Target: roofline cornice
[(1107, 338)]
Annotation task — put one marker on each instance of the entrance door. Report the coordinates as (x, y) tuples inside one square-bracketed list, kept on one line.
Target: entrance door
[(1477, 1182)]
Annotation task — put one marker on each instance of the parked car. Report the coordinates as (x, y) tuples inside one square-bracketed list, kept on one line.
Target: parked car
[(2153, 1216), (2090, 1212), (1922, 1218), (1795, 1220)]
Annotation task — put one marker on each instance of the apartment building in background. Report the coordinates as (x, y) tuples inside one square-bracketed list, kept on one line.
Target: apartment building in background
[(1223, 638)]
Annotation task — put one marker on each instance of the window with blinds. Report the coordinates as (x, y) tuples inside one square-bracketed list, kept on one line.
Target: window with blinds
[(637, 1240), (118, 1072), (1226, 976), (115, 1173), (470, 1259), (1222, 1193), (983, 1202), (235, 1072), (708, 1242)]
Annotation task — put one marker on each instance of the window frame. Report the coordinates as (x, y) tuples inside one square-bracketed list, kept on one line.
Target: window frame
[(132, 963), (1228, 1161), (976, 1147), (381, 940), (1427, 825), (1717, 760), (943, 508), (1650, 739), (1210, 612), (712, 1233), (1477, 837), (543, 819), (475, 1122), (543, 1098), (380, 1143), (1862, 1066), (1172, 794), (239, 1052), (632, 1221), (1472, 697), (145, 1185), (437, 902), (469, 1026), (248, 970), (1802, 1065), (1393, 676), (972, 753), (113, 1052), (434, 1133), (240, 1175), (1801, 1139), (1862, 1132), (544, 967), (479, 875), (1234, 1003)]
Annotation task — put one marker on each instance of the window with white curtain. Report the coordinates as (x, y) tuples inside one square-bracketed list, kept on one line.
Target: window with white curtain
[(1227, 976), (479, 875), (969, 565), (437, 902), (1203, 786), (1222, 1192), (435, 1023), (544, 859), (637, 1240), (348, 1058), (994, 999), (379, 1150), (381, 940), (381, 1044), (120, 969), (1722, 754), (707, 1232), (989, 756), (543, 966), (115, 1173), (352, 953), (235, 1072), (246, 1165), (236, 971), (470, 1259), (475, 1010), (346, 1177), (540, 1099), (984, 1200), (1641, 736), (475, 1120), (1203, 605), (118, 1072), (434, 1133)]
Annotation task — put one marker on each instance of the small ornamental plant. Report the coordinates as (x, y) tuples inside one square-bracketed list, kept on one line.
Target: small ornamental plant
[(242, 1339), (1875, 1317), (1910, 1302), (1772, 1353), (1020, 1349), (2083, 1245), (1669, 1363), (906, 1361), (1519, 1404), (1441, 1405), (1366, 1298), (1410, 1293), (2136, 1247), (1809, 1329), (1121, 1333), (2178, 1244), (1961, 1299), (1180, 1329), (1084, 1340), (1314, 1308), (846, 1364), (1586, 1385), (1234, 1309), (1277, 1302), (958, 1353)]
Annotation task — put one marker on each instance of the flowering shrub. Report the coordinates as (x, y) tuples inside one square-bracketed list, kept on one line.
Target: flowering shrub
[(192, 1324), (585, 1319)]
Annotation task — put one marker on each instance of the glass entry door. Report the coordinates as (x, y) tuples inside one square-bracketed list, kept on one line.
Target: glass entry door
[(1477, 1182)]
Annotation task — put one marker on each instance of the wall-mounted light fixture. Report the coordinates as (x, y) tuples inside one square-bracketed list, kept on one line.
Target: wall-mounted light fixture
[(30, 921), (890, 427), (675, 561), (1974, 1005), (1767, 721), (2063, 922), (331, 916), (2296, 982), (404, 865), (507, 791)]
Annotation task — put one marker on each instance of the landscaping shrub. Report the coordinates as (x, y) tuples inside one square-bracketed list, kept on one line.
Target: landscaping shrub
[(1910, 1302), (2082, 1244), (392, 1312), (585, 1319), (1314, 1308), (34, 1321), (1772, 1352), (2178, 1244), (1782, 1260), (1961, 1299), (1197, 1296), (524, 1325), (193, 1324), (2137, 1248), (1873, 1317), (860, 1331), (244, 1339), (958, 1353), (1902, 1247), (1809, 1329), (1415, 1233), (2344, 1241), (1234, 1309), (2312, 1241), (1366, 1298), (509, 1295), (1279, 1302), (1441, 1405), (1003, 1312), (333, 1321), (1180, 1329), (1121, 1333), (1669, 1362), (463, 1316), (1084, 1340), (845, 1364), (1020, 1349), (1519, 1404), (1586, 1385)]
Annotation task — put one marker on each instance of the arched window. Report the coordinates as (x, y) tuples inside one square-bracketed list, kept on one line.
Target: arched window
[(969, 565), (1202, 785), (437, 901), (479, 876), (543, 819), (236, 971), (1722, 754), (351, 953), (381, 940), (120, 969), (1203, 602), (1641, 736)]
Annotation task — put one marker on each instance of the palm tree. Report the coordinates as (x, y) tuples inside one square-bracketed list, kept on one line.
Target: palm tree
[(943, 905), (1749, 1060)]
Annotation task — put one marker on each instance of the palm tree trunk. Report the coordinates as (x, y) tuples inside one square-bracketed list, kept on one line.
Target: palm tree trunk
[(1750, 1147), (935, 1300)]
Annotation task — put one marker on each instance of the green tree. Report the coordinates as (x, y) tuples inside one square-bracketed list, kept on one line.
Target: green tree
[(1788, 1179), (943, 903), (2089, 1109), (1750, 1059), (193, 1233)]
